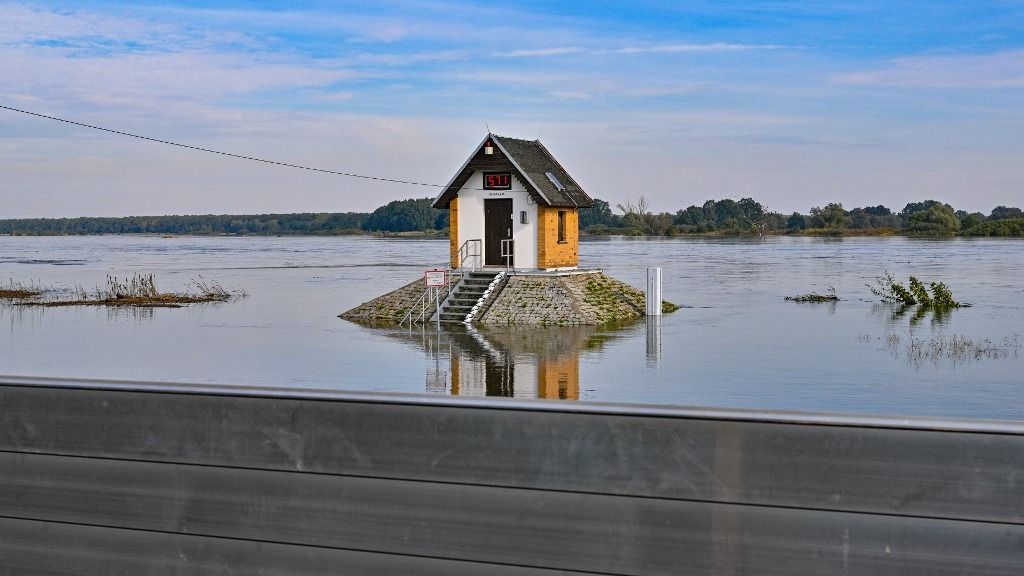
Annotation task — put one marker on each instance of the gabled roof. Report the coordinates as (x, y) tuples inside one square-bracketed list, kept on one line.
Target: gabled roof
[(531, 163)]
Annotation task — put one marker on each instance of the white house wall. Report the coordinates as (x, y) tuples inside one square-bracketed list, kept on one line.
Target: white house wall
[(471, 216)]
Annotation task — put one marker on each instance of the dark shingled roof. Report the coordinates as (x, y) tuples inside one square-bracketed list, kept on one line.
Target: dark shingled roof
[(531, 161)]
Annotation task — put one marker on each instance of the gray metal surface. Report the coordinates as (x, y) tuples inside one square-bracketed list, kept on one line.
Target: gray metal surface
[(906, 472), (27, 547), (563, 530), (380, 479), (746, 415)]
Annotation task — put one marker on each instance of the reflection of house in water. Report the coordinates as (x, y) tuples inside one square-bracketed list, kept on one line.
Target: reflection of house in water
[(537, 363)]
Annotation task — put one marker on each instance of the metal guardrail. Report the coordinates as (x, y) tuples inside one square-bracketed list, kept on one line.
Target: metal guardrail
[(146, 478), (508, 250), (428, 301), (471, 250)]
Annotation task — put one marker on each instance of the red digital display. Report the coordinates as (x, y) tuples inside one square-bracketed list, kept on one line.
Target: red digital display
[(497, 180)]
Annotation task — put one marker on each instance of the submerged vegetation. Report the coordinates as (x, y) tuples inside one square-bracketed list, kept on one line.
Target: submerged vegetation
[(829, 296), (19, 290), (956, 348), (138, 290), (890, 291)]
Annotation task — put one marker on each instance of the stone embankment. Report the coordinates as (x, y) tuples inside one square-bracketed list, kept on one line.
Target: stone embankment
[(576, 299), (391, 307), (582, 299)]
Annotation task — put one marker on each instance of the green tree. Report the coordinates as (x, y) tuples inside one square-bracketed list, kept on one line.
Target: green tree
[(831, 216), (403, 216), (636, 216), (1005, 213), (914, 207), (937, 220), (599, 214), (692, 216), (968, 221), (1012, 227)]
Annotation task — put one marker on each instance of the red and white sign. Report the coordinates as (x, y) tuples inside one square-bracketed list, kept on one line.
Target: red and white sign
[(435, 278)]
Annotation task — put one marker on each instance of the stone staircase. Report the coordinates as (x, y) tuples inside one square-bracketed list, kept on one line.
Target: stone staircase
[(466, 294)]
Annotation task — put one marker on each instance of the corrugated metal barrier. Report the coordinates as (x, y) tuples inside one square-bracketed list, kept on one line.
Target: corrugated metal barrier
[(137, 478)]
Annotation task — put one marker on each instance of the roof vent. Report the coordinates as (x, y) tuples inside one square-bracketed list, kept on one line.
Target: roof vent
[(555, 181)]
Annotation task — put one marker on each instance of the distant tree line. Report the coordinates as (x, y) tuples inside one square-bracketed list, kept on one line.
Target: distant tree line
[(263, 224), (747, 216), (397, 216), (744, 216)]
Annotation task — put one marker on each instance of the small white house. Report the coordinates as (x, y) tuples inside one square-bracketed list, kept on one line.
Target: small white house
[(513, 205)]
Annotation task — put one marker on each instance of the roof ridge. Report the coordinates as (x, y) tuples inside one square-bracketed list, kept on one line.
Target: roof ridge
[(499, 136)]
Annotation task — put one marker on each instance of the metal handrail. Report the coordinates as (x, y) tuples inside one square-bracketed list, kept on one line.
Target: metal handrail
[(508, 250), (466, 252), (471, 250), (426, 299)]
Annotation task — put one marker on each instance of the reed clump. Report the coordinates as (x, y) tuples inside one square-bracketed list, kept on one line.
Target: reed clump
[(956, 348), (140, 290), (19, 290), (959, 348), (829, 296)]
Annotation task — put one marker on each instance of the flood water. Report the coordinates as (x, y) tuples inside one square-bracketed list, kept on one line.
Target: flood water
[(737, 344)]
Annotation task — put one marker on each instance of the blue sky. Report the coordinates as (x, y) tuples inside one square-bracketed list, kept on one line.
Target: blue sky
[(794, 105)]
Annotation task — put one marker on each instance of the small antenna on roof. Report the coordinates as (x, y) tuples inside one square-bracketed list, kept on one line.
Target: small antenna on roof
[(488, 127)]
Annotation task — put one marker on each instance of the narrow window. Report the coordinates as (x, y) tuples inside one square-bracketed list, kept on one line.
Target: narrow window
[(561, 226)]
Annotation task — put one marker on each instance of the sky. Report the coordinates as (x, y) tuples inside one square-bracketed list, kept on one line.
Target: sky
[(795, 104)]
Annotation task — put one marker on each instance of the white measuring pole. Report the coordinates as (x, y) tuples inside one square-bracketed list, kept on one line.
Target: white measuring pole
[(654, 291)]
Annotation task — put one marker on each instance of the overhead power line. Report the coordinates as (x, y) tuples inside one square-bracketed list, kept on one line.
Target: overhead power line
[(219, 152)]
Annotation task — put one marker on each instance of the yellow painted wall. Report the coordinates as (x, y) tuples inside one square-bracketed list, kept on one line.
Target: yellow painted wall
[(559, 379), (550, 252), (456, 371), (453, 232)]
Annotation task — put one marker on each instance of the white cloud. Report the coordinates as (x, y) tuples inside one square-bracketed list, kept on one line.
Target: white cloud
[(155, 80), (684, 48), (714, 47), (987, 71), (540, 52)]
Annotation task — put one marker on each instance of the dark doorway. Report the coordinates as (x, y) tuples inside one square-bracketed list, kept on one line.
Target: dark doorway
[(499, 376), (497, 227)]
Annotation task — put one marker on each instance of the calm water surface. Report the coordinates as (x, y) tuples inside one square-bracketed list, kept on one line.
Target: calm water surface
[(737, 345)]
